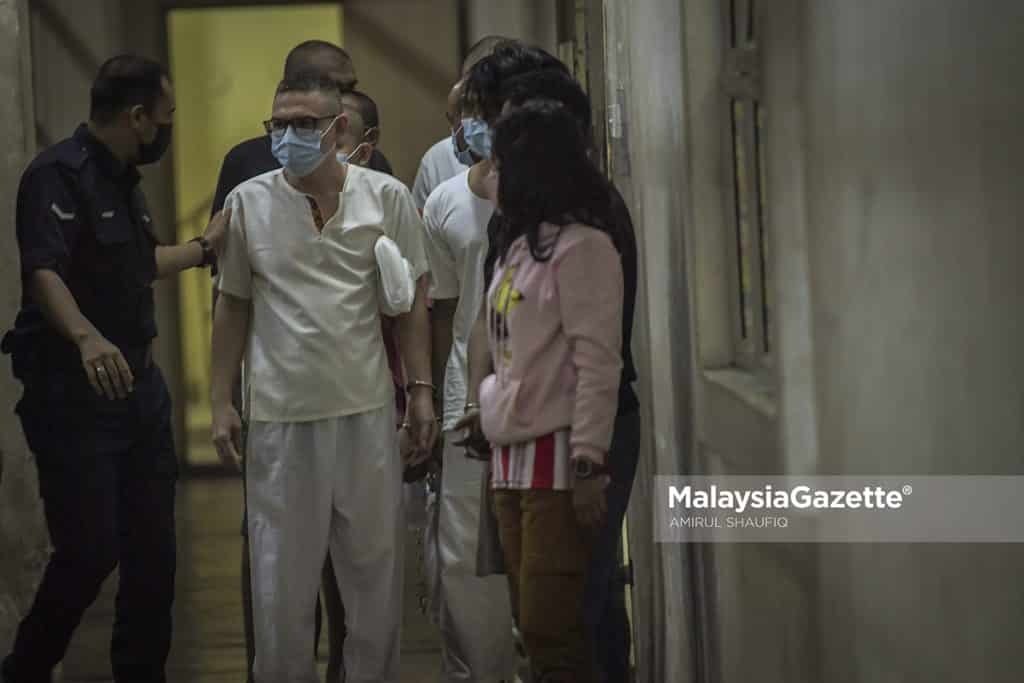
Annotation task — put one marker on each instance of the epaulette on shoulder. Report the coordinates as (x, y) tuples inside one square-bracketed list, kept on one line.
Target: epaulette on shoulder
[(70, 153)]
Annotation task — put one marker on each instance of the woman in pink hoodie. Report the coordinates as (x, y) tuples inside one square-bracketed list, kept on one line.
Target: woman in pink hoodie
[(554, 314)]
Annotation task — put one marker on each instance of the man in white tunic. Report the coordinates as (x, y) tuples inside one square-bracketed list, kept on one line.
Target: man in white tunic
[(299, 299)]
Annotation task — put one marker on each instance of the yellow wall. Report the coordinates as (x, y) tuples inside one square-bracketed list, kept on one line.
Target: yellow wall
[(225, 64)]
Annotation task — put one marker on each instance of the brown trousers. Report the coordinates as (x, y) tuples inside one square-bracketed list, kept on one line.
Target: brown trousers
[(546, 556)]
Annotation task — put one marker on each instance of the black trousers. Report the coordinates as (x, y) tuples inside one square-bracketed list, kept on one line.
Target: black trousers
[(107, 474), (604, 601)]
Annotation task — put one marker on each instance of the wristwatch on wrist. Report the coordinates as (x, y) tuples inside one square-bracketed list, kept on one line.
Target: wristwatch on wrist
[(209, 255), (584, 468)]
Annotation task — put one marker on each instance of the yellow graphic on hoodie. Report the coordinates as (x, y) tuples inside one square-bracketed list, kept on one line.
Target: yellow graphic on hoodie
[(504, 301)]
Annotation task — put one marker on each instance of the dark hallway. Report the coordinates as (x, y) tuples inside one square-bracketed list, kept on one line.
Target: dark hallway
[(209, 645), (819, 212)]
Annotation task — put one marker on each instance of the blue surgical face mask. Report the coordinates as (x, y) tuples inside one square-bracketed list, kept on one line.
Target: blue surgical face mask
[(346, 158), (298, 151), (463, 155), (354, 157), (478, 137)]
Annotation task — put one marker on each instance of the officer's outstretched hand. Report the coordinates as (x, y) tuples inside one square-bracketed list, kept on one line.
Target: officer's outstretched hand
[(227, 435), (108, 371), (217, 230)]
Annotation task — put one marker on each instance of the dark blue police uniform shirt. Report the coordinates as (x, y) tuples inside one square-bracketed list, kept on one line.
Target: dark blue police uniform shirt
[(80, 213)]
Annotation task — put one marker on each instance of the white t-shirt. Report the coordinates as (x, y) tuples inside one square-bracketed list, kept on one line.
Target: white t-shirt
[(438, 165), (315, 349), (456, 222)]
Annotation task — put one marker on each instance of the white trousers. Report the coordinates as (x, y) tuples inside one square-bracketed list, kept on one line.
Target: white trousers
[(333, 485), (475, 613)]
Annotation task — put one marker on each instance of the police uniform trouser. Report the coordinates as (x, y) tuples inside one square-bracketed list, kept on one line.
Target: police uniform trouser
[(475, 612), (107, 473), (312, 486), (604, 601)]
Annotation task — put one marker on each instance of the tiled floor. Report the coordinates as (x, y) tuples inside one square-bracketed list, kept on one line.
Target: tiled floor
[(209, 645)]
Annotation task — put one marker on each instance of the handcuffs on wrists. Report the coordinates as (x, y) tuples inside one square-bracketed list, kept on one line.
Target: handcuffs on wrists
[(420, 383), (406, 425), (408, 390)]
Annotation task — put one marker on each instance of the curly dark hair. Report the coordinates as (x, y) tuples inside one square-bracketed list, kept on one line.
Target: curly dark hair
[(550, 84), (481, 90), (546, 176)]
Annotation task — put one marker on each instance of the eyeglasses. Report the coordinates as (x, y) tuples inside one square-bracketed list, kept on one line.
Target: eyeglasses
[(300, 123)]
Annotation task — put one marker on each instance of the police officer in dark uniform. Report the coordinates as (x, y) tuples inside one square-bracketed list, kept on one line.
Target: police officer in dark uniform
[(95, 411)]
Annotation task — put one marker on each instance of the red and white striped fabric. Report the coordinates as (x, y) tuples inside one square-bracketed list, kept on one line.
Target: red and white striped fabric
[(539, 464)]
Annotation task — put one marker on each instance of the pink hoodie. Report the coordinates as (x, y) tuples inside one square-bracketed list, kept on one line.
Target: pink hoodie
[(555, 332)]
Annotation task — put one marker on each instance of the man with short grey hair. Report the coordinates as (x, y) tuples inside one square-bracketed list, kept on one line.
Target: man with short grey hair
[(247, 160), (298, 295)]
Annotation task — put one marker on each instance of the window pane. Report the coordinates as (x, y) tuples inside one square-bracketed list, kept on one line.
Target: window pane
[(751, 27), (734, 22), (765, 255), (742, 28), (741, 181)]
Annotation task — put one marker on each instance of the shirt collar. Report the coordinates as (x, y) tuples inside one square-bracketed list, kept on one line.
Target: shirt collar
[(110, 165)]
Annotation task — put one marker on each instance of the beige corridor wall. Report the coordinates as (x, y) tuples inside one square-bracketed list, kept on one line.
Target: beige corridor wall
[(407, 66), (23, 540), (532, 21), (913, 164), (894, 159), (645, 74)]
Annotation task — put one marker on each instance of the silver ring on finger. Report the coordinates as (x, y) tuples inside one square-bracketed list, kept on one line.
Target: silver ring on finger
[(100, 368)]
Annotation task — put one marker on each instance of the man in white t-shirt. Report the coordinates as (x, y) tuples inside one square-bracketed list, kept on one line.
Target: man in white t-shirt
[(446, 158), (449, 156), (474, 612), (298, 287)]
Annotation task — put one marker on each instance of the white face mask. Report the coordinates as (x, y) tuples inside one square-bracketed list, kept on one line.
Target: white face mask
[(478, 136), (463, 155)]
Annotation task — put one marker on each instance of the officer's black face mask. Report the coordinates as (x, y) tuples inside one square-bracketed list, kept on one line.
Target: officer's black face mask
[(152, 152)]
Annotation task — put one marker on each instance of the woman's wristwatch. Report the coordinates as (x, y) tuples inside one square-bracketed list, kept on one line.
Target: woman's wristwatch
[(585, 468)]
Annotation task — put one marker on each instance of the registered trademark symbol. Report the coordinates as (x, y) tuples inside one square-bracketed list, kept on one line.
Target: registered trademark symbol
[(907, 490)]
